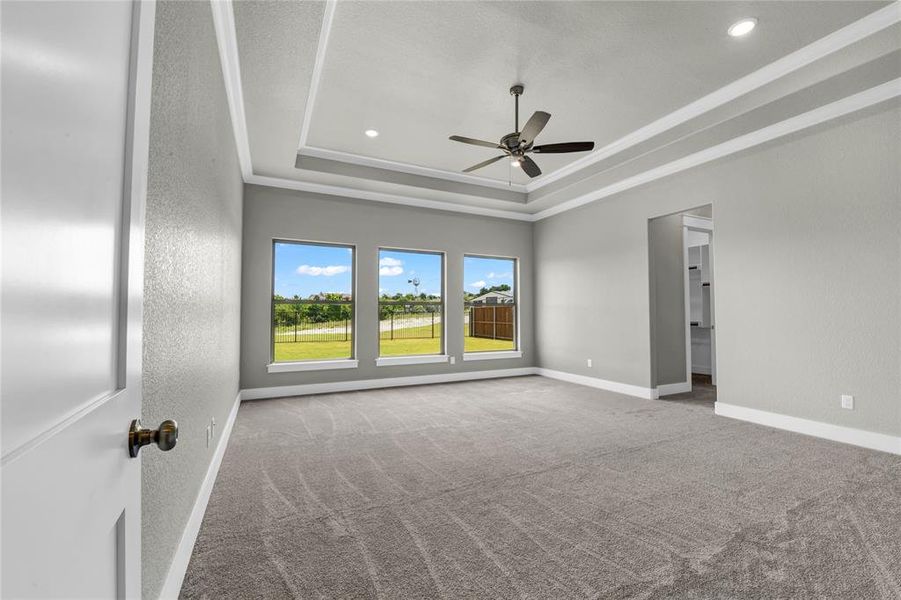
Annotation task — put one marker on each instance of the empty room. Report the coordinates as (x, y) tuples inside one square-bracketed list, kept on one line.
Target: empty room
[(450, 299)]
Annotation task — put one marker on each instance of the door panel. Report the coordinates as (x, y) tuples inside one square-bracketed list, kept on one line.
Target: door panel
[(75, 118), (64, 122)]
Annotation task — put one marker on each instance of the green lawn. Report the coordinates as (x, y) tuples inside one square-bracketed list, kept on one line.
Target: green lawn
[(471, 344), (295, 351), (409, 347)]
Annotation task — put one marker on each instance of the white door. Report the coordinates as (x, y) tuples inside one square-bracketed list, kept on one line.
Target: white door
[(75, 121)]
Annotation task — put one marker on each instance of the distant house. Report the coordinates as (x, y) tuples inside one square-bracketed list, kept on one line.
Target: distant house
[(323, 297), (495, 297)]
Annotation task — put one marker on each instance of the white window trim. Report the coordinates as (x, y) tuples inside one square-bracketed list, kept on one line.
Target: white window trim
[(491, 355), (313, 365), (419, 359), (518, 326), (393, 361)]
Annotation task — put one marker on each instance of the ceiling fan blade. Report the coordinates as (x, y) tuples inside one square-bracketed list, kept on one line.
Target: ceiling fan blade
[(565, 147), (528, 165), (474, 142), (533, 127), (484, 163)]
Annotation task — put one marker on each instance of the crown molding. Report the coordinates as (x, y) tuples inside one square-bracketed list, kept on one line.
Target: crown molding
[(835, 41), (828, 112), (346, 192), (304, 149), (839, 108), (380, 163), (328, 16), (875, 95), (223, 20), (227, 41)]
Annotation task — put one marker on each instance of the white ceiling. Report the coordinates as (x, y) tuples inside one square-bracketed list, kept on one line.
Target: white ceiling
[(421, 71)]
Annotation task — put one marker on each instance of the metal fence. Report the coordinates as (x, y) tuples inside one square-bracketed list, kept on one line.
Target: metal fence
[(492, 321), (399, 320), (312, 321)]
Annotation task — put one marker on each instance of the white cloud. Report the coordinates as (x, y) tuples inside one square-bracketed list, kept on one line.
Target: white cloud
[(390, 267), (317, 271), (494, 275), (477, 284)]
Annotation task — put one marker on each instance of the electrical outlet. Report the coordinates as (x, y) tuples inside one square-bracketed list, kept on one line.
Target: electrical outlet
[(847, 402), (453, 360), (588, 362)]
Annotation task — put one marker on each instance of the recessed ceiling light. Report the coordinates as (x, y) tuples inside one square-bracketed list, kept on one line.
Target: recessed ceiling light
[(743, 27), (371, 133)]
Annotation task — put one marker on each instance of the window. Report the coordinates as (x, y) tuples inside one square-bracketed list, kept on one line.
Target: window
[(312, 301), (489, 304), (411, 306)]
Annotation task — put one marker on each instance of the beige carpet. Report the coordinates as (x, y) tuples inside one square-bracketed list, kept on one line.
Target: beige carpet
[(533, 488)]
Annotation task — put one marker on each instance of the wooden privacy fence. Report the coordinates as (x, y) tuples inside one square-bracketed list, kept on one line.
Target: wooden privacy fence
[(494, 321)]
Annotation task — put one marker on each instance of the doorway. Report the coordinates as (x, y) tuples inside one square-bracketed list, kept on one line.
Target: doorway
[(683, 341), (700, 338)]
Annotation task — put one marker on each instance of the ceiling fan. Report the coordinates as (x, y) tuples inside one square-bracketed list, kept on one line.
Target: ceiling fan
[(518, 144)]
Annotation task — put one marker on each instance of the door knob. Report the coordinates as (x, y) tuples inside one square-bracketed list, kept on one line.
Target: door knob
[(165, 437)]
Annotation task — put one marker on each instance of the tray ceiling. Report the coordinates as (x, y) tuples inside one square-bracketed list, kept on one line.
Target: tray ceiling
[(314, 76)]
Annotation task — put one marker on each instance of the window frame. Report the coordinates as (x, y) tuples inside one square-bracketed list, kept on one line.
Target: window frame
[(412, 359), (313, 364), (516, 352)]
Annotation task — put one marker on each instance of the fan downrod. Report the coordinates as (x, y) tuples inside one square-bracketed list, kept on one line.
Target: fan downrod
[(516, 91)]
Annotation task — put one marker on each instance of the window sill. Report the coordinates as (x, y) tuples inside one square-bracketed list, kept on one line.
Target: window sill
[(391, 361), (313, 365), (492, 355)]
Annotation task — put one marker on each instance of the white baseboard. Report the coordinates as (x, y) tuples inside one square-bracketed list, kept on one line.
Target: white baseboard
[(603, 384), (179, 566), (836, 433), (385, 382), (668, 389)]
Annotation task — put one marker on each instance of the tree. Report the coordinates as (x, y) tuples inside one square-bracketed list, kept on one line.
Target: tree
[(495, 288)]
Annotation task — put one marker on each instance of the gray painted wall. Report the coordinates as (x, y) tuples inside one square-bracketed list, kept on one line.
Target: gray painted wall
[(276, 213), (807, 263), (192, 281)]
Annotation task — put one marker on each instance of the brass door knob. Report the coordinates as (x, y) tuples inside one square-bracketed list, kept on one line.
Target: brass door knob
[(165, 437)]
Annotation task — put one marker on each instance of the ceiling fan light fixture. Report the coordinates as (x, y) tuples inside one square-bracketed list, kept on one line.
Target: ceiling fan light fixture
[(371, 133), (742, 27), (517, 145)]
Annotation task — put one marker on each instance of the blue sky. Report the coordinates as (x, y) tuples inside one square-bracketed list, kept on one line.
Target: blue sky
[(485, 272), (306, 269), (397, 268)]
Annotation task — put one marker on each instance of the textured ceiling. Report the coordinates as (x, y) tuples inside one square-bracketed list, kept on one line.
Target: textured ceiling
[(277, 48), (420, 71)]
